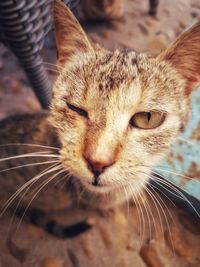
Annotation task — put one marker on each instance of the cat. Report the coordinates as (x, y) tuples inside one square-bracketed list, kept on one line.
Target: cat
[(118, 112), (114, 114)]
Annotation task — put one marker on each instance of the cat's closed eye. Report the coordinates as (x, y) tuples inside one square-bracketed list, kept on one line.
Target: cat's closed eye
[(147, 120), (78, 110)]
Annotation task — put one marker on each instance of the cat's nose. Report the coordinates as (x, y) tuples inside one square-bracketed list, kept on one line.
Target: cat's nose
[(98, 166)]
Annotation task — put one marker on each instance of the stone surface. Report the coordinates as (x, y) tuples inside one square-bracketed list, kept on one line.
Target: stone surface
[(32, 104), (150, 256), (107, 243), (179, 243), (51, 262), (158, 44)]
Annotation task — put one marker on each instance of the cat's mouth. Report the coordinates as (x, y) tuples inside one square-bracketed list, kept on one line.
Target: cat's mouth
[(99, 186)]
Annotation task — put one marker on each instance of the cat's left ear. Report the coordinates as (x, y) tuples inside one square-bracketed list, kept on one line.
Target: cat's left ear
[(184, 56), (70, 37)]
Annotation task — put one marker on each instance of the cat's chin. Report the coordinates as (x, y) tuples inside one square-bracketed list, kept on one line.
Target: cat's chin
[(100, 189), (102, 196)]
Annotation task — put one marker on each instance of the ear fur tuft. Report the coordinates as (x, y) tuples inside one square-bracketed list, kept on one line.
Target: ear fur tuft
[(70, 37), (184, 56)]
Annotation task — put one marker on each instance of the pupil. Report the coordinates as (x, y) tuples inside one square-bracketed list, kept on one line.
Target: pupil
[(148, 116)]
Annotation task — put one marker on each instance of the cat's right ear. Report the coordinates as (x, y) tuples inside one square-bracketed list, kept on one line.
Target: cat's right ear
[(70, 37), (184, 56)]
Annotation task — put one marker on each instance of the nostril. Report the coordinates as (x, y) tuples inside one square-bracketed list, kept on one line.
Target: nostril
[(91, 167), (97, 166)]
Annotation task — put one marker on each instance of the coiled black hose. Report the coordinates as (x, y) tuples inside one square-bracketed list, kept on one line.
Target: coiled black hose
[(23, 26)]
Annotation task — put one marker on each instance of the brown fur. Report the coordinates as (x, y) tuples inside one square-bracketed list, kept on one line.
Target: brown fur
[(111, 87), (68, 42), (184, 55)]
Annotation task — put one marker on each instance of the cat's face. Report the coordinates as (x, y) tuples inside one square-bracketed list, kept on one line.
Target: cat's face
[(116, 113)]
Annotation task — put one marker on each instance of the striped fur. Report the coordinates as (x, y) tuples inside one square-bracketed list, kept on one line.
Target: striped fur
[(111, 87)]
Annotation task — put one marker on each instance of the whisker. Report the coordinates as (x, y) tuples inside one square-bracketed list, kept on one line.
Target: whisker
[(168, 169), (66, 179), (140, 212), (170, 184), (127, 199), (26, 187), (53, 65), (28, 165), (146, 211), (122, 191), (155, 201), (29, 144), (35, 178), (59, 167), (163, 185), (185, 140), (166, 219), (148, 208), (164, 181), (167, 209), (176, 189), (38, 190), (61, 179), (151, 176), (52, 70), (152, 187), (178, 174), (161, 182), (80, 195), (152, 216), (35, 154), (160, 191)]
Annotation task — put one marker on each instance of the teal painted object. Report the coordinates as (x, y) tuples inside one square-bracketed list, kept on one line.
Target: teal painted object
[(184, 156)]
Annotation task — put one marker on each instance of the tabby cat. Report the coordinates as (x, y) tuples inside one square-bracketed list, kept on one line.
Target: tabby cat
[(115, 113)]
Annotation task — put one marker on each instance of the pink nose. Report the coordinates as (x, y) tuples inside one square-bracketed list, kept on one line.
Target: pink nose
[(98, 166)]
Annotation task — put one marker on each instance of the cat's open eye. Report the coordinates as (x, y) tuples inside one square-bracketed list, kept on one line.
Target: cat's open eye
[(78, 110), (147, 120)]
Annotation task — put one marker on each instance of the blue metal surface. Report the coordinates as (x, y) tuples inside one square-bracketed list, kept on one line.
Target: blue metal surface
[(184, 156)]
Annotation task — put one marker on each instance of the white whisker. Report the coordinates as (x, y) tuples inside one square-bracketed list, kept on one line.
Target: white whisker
[(38, 190), (176, 189), (52, 70), (29, 165), (35, 154), (148, 216), (29, 144), (142, 219), (162, 209), (178, 174), (156, 203), (53, 65), (34, 179), (185, 140)]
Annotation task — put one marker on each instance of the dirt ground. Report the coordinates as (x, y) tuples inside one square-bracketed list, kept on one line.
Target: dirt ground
[(142, 33)]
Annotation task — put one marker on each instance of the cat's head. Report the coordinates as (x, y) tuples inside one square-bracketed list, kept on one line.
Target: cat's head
[(117, 113)]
